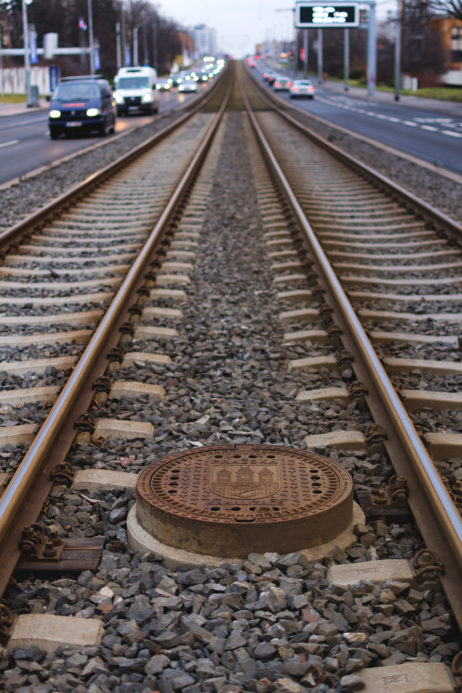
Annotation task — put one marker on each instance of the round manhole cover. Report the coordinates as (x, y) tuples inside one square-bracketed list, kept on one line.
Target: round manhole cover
[(230, 500)]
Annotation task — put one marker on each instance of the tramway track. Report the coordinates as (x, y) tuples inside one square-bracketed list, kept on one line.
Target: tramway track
[(330, 199), (234, 339), (38, 261)]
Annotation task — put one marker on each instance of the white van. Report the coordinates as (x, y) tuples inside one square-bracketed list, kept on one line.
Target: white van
[(135, 90)]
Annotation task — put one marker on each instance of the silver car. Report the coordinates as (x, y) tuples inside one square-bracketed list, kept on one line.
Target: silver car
[(302, 88), (282, 83)]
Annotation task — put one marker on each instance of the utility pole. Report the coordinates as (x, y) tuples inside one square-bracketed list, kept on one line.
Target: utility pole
[(90, 37), (305, 48), (398, 50)]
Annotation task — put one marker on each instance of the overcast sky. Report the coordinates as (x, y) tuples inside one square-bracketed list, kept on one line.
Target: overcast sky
[(240, 24)]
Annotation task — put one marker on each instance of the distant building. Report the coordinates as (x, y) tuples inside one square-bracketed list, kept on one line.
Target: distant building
[(205, 40), (450, 30)]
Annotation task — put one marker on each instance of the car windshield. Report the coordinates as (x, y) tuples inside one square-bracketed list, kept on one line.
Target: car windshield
[(303, 84), (75, 90), (133, 83)]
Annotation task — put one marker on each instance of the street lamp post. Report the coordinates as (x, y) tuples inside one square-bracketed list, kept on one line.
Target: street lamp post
[(124, 37), (346, 58), (90, 37), (2, 86), (320, 57), (118, 47), (135, 46), (154, 44), (25, 30), (305, 49), (398, 51)]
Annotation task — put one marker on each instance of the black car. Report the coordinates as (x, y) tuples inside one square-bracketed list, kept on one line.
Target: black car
[(82, 104)]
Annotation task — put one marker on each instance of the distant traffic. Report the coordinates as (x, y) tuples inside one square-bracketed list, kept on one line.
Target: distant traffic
[(86, 103)]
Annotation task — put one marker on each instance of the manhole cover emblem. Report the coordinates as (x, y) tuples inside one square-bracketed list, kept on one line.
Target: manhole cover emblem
[(230, 500), (244, 481)]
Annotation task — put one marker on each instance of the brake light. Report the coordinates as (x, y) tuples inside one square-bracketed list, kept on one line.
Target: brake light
[(295, 89), (276, 84), (290, 84)]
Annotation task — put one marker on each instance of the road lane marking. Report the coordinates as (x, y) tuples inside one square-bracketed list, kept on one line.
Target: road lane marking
[(9, 143), (418, 122)]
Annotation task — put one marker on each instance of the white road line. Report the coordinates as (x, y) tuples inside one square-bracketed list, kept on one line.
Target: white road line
[(410, 123), (9, 143), (451, 133)]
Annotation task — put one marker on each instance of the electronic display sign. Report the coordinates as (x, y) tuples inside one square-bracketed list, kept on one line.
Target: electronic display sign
[(323, 15)]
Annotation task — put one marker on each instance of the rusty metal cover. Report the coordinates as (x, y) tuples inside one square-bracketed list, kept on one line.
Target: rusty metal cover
[(229, 500)]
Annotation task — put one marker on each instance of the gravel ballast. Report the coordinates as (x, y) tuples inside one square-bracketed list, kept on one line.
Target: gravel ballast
[(267, 623)]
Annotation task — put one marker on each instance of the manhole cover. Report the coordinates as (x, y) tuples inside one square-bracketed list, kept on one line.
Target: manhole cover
[(230, 500)]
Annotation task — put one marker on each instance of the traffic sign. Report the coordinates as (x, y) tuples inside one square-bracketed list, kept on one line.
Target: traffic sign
[(323, 15)]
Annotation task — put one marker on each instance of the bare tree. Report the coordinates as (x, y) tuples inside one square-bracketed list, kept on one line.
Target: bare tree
[(63, 17), (452, 8)]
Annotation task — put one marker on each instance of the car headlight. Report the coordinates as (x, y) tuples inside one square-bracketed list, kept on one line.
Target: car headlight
[(147, 98), (180, 88), (55, 113), (118, 98), (92, 112)]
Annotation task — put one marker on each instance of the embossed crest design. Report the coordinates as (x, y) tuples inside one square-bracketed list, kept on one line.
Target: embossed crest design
[(244, 481)]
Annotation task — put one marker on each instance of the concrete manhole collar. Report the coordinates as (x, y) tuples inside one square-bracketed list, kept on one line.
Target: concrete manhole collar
[(231, 500)]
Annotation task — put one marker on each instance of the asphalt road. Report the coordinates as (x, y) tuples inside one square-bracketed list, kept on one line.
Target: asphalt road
[(430, 135), (25, 143)]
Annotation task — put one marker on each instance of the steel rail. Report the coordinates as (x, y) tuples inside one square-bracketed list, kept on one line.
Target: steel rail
[(14, 498), (446, 513), (77, 191), (431, 213)]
